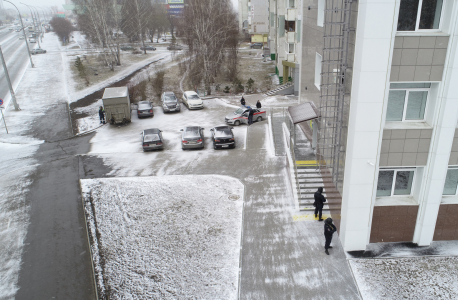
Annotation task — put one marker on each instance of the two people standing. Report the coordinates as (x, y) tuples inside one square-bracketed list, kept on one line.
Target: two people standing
[(250, 110), (329, 228)]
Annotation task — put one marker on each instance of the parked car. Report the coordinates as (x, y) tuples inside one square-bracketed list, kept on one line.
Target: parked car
[(192, 100), (32, 41), (174, 47), (145, 109), (223, 137), (240, 116), (152, 139), (38, 51), (256, 46), (126, 48), (192, 137), (21, 37), (148, 48), (170, 102)]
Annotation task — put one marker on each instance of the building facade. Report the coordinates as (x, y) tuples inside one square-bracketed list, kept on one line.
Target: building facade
[(387, 70)]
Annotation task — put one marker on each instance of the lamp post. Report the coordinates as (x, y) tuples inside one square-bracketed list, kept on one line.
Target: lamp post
[(39, 21), (34, 19), (23, 31)]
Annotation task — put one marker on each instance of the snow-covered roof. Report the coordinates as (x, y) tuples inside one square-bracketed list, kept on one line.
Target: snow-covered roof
[(116, 92)]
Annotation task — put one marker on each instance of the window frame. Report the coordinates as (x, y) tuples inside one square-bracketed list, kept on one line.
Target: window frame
[(406, 101), (289, 4), (417, 21), (393, 183), (456, 189), (318, 70)]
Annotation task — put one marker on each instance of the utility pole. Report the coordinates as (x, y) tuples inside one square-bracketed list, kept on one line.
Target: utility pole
[(23, 31), (7, 75)]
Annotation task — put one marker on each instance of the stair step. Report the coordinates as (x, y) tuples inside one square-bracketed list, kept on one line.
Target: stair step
[(302, 169)]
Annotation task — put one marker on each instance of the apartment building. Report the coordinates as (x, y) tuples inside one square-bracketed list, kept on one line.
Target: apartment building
[(384, 76), (258, 20)]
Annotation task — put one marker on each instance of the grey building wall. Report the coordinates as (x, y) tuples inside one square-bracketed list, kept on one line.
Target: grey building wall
[(453, 160), (418, 58), (405, 147)]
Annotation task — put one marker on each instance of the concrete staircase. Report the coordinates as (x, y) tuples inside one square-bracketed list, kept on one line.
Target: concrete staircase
[(278, 89), (310, 179)]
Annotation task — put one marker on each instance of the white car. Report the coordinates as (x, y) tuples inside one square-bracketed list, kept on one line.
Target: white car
[(32, 41), (192, 100)]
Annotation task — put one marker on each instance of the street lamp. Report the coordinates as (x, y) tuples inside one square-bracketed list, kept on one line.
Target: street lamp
[(34, 20), (23, 31)]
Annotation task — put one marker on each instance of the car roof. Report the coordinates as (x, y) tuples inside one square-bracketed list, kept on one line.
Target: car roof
[(143, 102), (190, 93), (152, 130), (169, 93)]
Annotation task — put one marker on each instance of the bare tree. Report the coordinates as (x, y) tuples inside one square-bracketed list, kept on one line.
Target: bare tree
[(62, 27)]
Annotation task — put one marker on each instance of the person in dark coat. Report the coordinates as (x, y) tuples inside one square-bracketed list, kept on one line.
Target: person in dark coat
[(258, 104), (319, 203), (250, 116), (102, 115), (242, 101), (329, 230)]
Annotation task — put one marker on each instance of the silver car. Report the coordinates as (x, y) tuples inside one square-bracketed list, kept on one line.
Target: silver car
[(192, 137), (152, 139), (170, 102)]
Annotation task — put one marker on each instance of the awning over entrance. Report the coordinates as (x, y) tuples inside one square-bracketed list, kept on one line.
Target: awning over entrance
[(303, 112)]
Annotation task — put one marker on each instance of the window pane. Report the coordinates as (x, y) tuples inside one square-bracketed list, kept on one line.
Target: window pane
[(385, 183), (416, 105), (407, 15), (451, 181), (395, 107), (403, 183), (410, 85), (430, 14)]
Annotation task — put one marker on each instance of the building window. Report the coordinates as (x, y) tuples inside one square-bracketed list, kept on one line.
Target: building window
[(291, 3), (318, 70), (395, 182), (290, 26), (290, 47), (419, 15), (407, 101), (320, 16), (451, 182)]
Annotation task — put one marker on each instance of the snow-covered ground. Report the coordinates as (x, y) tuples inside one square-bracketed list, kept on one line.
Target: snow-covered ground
[(168, 237), (407, 278)]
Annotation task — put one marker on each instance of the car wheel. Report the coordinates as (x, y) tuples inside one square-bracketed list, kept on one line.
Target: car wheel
[(237, 123), (214, 147), (259, 119)]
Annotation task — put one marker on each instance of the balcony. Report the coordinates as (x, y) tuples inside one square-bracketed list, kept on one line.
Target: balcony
[(290, 37), (291, 14)]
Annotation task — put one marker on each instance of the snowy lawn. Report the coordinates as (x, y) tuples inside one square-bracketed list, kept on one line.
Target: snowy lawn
[(168, 237), (407, 278)]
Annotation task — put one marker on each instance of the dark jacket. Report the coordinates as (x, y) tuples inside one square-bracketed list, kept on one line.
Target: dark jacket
[(319, 200), (251, 112), (101, 113), (242, 101), (258, 104), (329, 229)]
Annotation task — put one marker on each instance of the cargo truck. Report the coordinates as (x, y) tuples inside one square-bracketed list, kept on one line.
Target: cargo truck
[(116, 104)]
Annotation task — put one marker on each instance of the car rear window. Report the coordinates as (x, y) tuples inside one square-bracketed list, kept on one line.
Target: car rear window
[(151, 138), (192, 132), (223, 132), (144, 106)]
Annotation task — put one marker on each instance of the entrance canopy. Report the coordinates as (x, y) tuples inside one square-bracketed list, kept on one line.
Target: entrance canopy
[(303, 112)]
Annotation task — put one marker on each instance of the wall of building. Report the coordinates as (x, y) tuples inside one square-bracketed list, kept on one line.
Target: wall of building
[(405, 147), (393, 223)]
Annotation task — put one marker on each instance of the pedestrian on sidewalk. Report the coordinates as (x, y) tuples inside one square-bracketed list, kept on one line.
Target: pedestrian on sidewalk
[(242, 101), (102, 115), (329, 230), (319, 203), (258, 104), (250, 116)]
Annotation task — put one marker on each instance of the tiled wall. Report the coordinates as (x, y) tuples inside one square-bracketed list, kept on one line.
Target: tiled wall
[(447, 223), (453, 160), (418, 58), (405, 147), (393, 223)]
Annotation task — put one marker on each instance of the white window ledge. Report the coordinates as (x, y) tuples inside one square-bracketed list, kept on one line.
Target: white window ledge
[(422, 33), (395, 201), (449, 200), (407, 125)]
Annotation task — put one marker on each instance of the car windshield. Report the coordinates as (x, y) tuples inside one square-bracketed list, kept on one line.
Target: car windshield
[(144, 106), (151, 138), (191, 132), (223, 132), (193, 97), (239, 111), (170, 98)]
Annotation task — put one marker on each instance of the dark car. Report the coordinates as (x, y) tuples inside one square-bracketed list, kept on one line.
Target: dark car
[(192, 137), (148, 48), (145, 109), (126, 48), (174, 47), (170, 102), (223, 137), (152, 139), (256, 46)]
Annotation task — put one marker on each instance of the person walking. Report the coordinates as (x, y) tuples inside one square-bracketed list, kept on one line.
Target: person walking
[(102, 115), (242, 101), (329, 230), (250, 116), (319, 203), (258, 104)]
